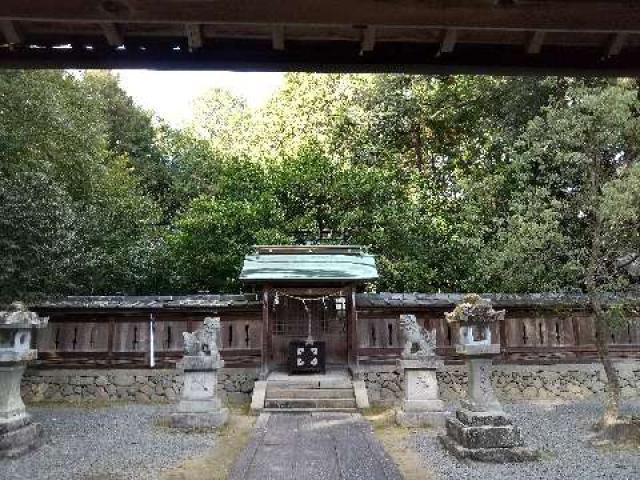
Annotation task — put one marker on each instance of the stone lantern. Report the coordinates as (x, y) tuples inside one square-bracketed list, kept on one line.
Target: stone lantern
[(17, 433), (480, 429)]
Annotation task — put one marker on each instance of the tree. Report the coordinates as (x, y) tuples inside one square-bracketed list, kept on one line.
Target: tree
[(584, 149), (222, 118), (73, 210)]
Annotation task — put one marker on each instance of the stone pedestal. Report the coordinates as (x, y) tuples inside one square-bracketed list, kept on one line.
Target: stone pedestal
[(481, 430), (485, 437), (421, 406), (17, 432), (199, 405)]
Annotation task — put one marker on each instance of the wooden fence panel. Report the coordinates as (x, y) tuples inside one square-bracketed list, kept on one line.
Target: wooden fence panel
[(121, 338)]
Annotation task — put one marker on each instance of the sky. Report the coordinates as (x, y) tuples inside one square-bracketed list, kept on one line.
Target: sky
[(171, 94)]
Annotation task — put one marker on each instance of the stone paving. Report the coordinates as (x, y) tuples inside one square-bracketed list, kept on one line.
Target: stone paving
[(317, 445)]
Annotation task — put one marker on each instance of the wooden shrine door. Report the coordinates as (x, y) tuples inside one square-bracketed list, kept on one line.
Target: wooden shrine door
[(325, 320)]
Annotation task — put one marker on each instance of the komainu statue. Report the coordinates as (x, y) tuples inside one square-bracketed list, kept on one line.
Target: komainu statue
[(416, 336), (204, 341)]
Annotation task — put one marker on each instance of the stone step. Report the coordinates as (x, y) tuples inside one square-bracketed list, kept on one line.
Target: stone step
[(310, 410), (311, 383), (309, 403), (279, 392)]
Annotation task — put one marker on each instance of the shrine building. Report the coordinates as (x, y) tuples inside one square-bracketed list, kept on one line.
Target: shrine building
[(308, 302)]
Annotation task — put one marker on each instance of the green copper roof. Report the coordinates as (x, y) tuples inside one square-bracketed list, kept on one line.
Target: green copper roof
[(308, 267)]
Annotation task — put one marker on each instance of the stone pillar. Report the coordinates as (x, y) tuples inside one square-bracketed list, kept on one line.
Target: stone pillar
[(421, 406), (200, 405), (18, 434), (480, 394), (481, 430)]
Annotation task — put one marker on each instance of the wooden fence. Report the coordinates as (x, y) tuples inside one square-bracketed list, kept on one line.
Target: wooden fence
[(121, 338)]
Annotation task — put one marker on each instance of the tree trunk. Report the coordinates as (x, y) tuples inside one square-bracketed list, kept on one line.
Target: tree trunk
[(603, 333), (602, 329)]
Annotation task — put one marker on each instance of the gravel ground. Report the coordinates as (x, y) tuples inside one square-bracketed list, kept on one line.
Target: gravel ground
[(560, 431), (120, 442)]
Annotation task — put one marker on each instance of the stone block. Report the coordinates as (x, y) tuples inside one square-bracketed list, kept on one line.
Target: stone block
[(146, 390), (421, 419), (123, 380), (78, 380), (212, 419), (479, 419), (485, 436), (490, 455), (141, 397), (18, 441)]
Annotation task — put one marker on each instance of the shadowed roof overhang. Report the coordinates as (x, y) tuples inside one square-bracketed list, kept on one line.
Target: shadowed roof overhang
[(433, 36)]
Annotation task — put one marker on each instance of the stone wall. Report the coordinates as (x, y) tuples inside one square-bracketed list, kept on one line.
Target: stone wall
[(512, 382), (384, 383), (139, 385)]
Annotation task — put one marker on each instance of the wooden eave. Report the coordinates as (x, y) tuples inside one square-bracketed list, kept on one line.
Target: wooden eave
[(431, 36)]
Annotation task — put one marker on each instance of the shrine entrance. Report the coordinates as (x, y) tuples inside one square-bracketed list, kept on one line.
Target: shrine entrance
[(320, 316), (308, 304)]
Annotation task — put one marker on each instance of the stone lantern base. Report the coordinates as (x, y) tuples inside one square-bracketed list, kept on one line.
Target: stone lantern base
[(485, 437), (18, 434), (17, 438)]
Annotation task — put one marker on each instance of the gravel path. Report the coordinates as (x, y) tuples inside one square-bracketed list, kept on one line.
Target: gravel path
[(561, 431), (319, 446), (121, 442)]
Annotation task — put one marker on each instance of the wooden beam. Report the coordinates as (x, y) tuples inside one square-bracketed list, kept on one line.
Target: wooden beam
[(10, 32), (534, 45), (112, 33), (449, 39), (368, 39), (277, 37), (616, 44), (266, 335), (194, 35), (603, 15)]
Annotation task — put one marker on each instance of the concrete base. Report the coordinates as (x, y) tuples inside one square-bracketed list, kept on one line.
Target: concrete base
[(19, 437), (213, 419), (421, 419), (485, 437)]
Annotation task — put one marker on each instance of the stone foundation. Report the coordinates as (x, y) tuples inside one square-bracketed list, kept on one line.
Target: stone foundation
[(140, 385), (511, 382), (384, 383)]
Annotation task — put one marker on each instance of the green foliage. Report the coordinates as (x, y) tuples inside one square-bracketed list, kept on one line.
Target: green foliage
[(72, 212), (456, 183)]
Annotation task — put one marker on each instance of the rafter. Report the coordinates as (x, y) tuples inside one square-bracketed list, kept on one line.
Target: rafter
[(368, 39), (449, 40), (277, 37), (10, 31), (194, 35), (536, 40), (113, 34), (616, 44)]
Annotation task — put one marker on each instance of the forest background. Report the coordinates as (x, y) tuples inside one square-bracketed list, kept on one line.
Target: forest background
[(455, 183)]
